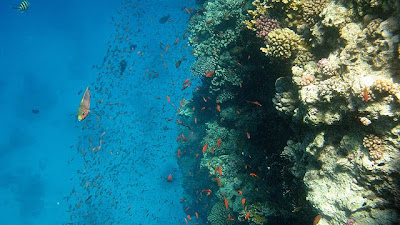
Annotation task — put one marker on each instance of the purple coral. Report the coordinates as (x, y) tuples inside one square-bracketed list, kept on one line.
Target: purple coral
[(351, 221), (265, 25)]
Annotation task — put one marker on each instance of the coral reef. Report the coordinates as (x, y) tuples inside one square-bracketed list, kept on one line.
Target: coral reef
[(219, 214), (282, 43)]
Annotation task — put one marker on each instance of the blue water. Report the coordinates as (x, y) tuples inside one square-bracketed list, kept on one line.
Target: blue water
[(52, 168)]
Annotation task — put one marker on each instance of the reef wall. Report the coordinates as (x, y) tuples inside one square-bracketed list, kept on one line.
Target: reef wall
[(297, 114)]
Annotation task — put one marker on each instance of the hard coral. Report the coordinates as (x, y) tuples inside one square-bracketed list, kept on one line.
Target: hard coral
[(202, 66), (282, 43), (218, 214), (264, 26), (374, 145), (312, 9)]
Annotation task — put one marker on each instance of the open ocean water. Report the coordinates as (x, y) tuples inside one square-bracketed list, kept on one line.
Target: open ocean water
[(49, 54)]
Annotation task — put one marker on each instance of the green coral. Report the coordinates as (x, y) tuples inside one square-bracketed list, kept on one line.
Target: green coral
[(219, 214), (282, 43)]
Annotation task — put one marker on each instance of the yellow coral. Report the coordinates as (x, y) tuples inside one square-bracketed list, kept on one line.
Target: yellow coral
[(282, 43)]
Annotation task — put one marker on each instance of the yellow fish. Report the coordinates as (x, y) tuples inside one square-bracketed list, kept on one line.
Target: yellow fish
[(84, 107)]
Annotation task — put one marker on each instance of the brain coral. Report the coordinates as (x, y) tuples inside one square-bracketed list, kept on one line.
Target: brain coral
[(282, 43)]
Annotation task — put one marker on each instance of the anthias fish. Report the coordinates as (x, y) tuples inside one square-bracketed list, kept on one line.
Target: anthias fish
[(23, 6), (84, 107)]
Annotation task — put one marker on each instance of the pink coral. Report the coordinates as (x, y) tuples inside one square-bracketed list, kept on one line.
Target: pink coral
[(265, 25), (307, 79)]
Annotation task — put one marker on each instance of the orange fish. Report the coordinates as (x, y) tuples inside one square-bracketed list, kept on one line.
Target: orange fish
[(212, 150), (186, 221), (243, 201), (218, 108), (205, 100), (239, 192), (176, 41), (226, 203), (169, 179), (208, 191), (216, 169), (254, 175), (168, 99), (197, 215), (166, 48), (84, 107), (247, 216), (195, 120), (219, 143), (229, 217), (187, 80), (189, 218), (254, 102), (220, 170), (179, 153), (218, 181), (205, 147), (248, 135), (210, 73), (366, 94), (317, 219)]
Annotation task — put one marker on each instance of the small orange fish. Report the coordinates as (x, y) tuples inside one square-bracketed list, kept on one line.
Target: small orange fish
[(243, 201), (219, 143), (226, 203), (247, 216), (176, 41), (218, 108), (317, 219), (254, 102), (166, 48), (185, 35), (205, 147), (239, 192), (212, 150), (248, 135), (229, 217), (216, 169), (187, 80), (220, 170), (218, 181), (186, 221), (179, 153), (210, 21), (169, 179), (210, 73), (195, 39), (205, 100), (84, 106), (208, 191), (195, 120), (254, 175), (168, 99), (189, 218), (366, 96), (197, 215)]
